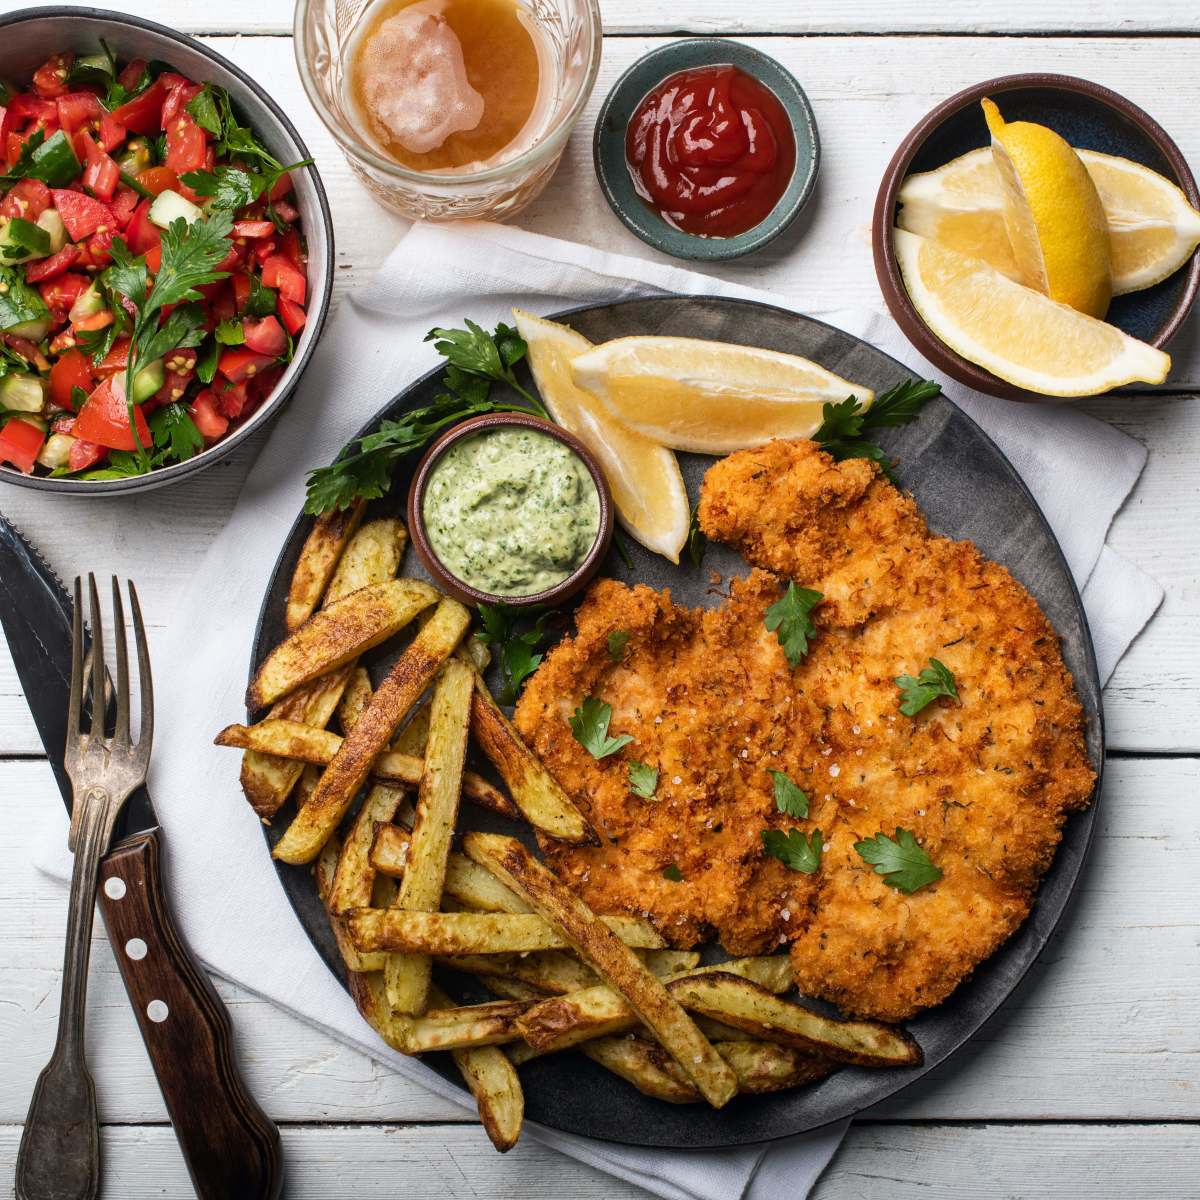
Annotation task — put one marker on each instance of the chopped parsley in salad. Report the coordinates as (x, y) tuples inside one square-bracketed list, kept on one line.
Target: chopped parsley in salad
[(152, 268)]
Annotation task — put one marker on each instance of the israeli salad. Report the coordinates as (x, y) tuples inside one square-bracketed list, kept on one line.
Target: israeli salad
[(152, 268)]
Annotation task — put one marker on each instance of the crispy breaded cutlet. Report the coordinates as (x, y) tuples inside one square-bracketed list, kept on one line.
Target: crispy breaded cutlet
[(710, 700)]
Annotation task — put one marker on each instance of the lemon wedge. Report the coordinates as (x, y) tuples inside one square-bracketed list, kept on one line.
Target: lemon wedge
[(1152, 230), (709, 397), (1015, 332), (1053, 214), (644, 477)]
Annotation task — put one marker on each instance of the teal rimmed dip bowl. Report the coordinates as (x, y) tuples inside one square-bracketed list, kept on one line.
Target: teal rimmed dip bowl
[(612, 168)]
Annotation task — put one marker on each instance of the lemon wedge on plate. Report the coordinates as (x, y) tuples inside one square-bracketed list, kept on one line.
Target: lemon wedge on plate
[(1053, 214), (643, 476), (1015, 332), (709, 397), (1152, 229)]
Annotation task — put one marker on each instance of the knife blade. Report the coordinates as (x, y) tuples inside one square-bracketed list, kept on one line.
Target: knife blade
[(230, 1146)]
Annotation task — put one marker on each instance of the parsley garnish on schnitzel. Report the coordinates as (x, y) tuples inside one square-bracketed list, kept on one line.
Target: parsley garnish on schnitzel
[(844, 425), (616, 644), (934, 680), (789, 799), (643, 779), (793, 849), (901, 862), (589, 724), (673, 873), (788, 619)]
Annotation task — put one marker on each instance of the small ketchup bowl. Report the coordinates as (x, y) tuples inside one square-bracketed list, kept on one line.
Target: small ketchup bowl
[(450, 583), (620, 107)]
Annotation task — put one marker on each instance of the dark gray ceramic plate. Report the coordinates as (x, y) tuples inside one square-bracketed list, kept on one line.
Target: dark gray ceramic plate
[(967, 489)]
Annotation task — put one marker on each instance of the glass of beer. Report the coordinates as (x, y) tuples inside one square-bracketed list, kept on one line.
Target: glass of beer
[(450, 109)]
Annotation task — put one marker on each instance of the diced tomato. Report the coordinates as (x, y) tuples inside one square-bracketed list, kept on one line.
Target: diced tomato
[(27, 107), (177, 98), (62, 425), (19, 444), (264, 385), (112, 132), (62, 291), (292, 249), (50, 79), (154, 259), (27, 198), (50, 268), (240, 363), (117, 358), (84, 454), (286, 211), (142, 114), (280, 187), (232, 399), (101, 175), (71, 370), (26, 349), (231, 259), (173, 388), (171, 80), (181, 362), (104, 419), (185, 145), (211, 424), (141, 234), (241, 290), (101, 320), (263, 249), (220, 302), (99, 247), (253, 229), (292, 315), (158, 179), (279, 272), (132, 73), (82, 215), (76, 109), (265, 337), (123, 204)]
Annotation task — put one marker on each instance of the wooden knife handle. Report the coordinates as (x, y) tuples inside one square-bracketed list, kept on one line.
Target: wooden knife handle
[(230, 1145)]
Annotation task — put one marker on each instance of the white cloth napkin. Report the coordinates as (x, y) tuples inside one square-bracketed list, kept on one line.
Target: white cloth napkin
[(239, 922)]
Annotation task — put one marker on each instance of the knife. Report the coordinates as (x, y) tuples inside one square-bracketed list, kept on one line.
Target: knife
[(231, 1147)]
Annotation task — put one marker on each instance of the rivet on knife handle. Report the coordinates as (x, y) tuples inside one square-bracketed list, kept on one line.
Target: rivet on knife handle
[(230, 1145)]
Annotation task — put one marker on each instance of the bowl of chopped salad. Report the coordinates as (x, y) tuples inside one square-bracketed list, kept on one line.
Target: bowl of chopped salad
[(166, 253)]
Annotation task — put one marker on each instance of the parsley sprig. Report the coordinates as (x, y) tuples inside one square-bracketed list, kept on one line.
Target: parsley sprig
[(789, 799), (589, 723), (618, 639), (788, 618), (475, 361), (515, 647), (795, 850), (643, 779), (844, 425), (934, 680), (900, 860)]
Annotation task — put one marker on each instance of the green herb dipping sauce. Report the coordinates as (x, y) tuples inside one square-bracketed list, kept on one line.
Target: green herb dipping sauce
[(511, 511)]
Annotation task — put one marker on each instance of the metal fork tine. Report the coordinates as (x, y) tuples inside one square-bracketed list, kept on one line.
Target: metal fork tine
[(99, 710), (146, 731), (75, 703), (121, 730)]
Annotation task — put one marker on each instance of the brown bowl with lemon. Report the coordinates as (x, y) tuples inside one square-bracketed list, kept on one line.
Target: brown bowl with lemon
[(1043, 249)]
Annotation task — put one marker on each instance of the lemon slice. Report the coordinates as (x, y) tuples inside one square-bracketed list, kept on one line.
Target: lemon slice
[(1017, 333), (644, 477), (1053, 214), (1152, 230), (710, 397)]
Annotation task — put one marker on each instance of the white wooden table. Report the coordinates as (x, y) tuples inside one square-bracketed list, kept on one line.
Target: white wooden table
[(1088, 1083)]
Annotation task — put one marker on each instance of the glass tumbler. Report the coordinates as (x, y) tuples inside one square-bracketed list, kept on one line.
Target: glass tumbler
[(572, 33)]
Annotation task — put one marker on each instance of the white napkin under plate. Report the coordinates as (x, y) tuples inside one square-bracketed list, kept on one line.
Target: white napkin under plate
[(1079, 469)]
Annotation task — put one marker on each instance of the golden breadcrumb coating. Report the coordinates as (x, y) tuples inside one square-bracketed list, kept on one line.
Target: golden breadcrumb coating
[(710, 700)]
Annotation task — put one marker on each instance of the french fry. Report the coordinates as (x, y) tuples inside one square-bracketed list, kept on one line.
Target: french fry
[(744, 1005), (373, 556), (488, 1024), (412, 738), (408, 974), (355, 697), (600, 1011), (309, 777), (763, 1067), (669, 962), (511, 989), (455, 933), (534, 790), (550, 971), (325, 866), (300, 743), (337, 635), (355, 876), (598, 946), (327, 540)]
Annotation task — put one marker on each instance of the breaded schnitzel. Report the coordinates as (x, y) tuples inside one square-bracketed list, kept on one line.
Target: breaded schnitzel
[(710, 700)]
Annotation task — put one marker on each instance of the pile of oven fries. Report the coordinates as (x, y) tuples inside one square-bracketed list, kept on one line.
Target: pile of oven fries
[(401, 897)]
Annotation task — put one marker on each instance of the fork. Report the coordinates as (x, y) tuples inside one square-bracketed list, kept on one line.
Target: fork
[(59, 1156)]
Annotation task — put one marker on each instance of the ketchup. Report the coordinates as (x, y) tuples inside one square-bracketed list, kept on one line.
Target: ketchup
[(711, 150)]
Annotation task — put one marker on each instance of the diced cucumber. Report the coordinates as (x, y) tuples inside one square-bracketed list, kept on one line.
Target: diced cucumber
[(52, 223), (33, 330), (22, 393), (88, 304), (169, 206), (98, 62), (136, 157), (148, 380), (56, 452)]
